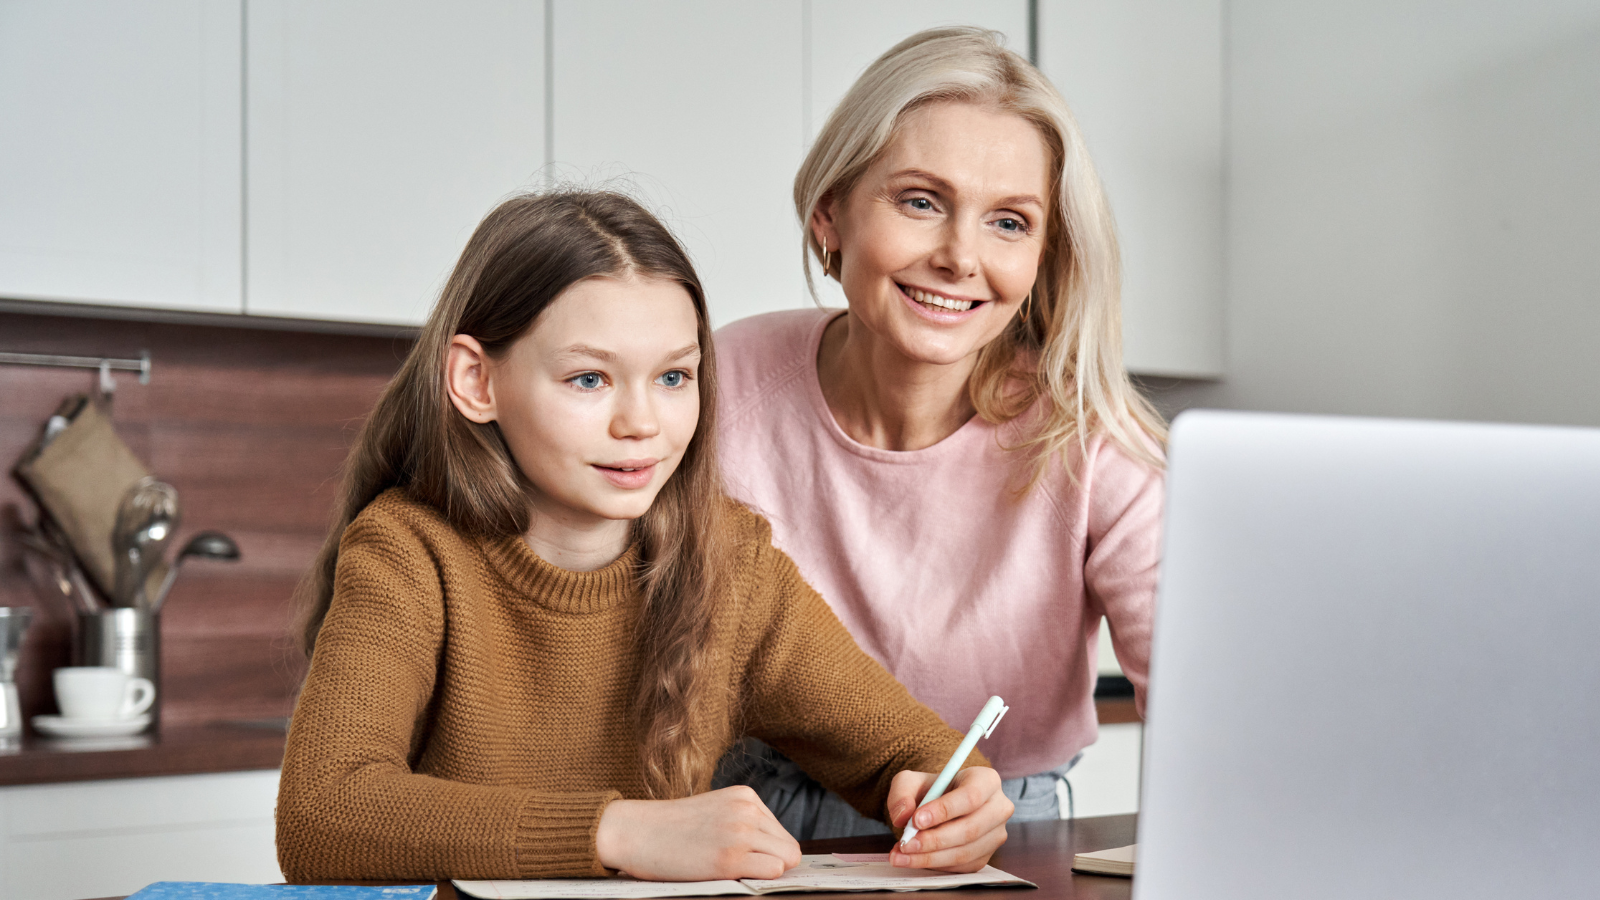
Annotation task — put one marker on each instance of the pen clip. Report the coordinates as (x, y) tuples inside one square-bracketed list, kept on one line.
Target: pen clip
[(996, 722)]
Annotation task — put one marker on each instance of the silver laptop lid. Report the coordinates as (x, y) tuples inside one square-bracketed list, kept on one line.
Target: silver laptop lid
[(1376, 669)]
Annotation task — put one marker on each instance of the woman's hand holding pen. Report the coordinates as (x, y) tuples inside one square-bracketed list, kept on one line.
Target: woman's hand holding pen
[(959, 831), (721, 834)]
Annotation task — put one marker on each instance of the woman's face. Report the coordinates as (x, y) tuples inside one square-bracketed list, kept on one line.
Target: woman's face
[(940, 240), (598, 401)]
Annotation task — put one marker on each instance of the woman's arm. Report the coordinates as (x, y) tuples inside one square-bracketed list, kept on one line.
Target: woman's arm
[(1119, 573), (813, 694), (349, 804)]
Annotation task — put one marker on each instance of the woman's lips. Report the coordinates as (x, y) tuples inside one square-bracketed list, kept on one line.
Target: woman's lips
[(937, 313), (629, 474)]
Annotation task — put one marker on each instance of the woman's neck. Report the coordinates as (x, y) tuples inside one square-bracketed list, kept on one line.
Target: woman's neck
[(881, 398), (573, 545)]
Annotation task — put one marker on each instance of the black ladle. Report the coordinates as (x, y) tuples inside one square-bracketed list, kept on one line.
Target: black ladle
[(206, 545)]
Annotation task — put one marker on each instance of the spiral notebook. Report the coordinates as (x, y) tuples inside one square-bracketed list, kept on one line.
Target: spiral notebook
[(839, 872)]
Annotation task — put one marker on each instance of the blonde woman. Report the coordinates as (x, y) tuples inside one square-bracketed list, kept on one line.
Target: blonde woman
[(957, 462)]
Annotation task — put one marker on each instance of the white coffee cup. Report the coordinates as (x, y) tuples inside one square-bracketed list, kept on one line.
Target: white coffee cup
[(101, 693)]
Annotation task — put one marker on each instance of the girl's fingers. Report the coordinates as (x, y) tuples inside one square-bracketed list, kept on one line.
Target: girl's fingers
[(960, 831), (782, 851), (970, 790), (966, 857), (905, 791), (964, 844), (760, 865), (771, 838)]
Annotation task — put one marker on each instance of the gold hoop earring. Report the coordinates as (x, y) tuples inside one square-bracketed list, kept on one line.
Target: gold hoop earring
[(827, 258)]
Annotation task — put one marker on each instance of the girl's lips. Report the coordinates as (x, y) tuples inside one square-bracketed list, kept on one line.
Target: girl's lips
[(629, 475), (935, 313)]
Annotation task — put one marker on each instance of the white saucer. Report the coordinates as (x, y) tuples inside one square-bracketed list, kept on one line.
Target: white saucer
[(61, 726)]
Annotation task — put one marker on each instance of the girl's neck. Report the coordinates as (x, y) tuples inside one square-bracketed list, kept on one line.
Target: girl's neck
[(576, 546), (883, 399)]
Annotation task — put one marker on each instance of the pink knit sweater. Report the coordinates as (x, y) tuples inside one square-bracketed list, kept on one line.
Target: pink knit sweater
[(943, 574)]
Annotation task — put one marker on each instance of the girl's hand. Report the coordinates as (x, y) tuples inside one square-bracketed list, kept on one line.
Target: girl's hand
[(957, 832), (721, 834)]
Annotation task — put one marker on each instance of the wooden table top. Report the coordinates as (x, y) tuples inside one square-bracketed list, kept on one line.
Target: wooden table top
[(1038, 851)]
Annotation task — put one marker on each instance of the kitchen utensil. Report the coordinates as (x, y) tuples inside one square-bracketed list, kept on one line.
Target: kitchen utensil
[(206, 545), (77, 570), (68, 577), (126, 639), (145, 522), (13, 622)]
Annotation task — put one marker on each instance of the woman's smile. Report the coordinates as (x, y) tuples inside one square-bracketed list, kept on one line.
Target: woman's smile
[(939, 307)]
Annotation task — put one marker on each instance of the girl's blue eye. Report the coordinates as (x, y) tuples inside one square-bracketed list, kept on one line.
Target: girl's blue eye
[(589, 381), (672, 379)]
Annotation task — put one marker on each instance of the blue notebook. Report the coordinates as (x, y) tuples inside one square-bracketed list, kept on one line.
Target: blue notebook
[(205, 890)]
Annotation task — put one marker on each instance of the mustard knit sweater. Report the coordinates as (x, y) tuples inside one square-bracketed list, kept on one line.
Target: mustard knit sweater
[(467, 710)]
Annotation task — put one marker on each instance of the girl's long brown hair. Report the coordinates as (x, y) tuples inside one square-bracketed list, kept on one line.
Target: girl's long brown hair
[(521, 257)]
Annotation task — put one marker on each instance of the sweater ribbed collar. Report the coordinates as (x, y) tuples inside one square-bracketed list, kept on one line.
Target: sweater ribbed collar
[(562, 590)]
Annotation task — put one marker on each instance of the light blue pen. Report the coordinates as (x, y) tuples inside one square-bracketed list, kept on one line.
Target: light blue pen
[(982, 727)]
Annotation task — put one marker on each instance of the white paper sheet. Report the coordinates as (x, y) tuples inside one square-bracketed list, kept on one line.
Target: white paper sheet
[(815, 873)]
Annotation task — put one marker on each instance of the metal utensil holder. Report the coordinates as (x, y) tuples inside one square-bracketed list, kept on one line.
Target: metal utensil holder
[(126, 639)]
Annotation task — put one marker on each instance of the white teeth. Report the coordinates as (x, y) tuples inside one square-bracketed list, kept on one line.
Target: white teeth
[(936, 300)]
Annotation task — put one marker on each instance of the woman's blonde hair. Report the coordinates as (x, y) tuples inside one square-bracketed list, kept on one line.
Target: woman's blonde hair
[(523, 255), (1067, 345)]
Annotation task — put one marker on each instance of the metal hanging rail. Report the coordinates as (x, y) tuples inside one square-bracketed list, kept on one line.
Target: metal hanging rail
[(105, 364)]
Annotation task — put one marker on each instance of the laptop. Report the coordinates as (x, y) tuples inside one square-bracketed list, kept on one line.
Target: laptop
[(1376, 665)]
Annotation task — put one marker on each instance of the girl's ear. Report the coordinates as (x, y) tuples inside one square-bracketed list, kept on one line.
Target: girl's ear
[(466, 377)]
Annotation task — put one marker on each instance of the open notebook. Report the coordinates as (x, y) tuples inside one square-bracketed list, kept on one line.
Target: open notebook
[(1116, 861), (840, 872)]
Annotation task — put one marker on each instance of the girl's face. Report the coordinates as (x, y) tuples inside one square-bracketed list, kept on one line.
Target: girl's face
[(597, 402), (941, 238)]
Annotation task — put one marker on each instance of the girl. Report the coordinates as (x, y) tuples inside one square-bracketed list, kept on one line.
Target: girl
[(958, 461), (537, 623)]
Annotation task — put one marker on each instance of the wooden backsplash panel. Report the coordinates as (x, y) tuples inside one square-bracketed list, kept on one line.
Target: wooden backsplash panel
[(251, 426)]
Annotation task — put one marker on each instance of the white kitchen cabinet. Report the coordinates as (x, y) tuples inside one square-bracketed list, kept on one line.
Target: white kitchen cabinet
[(120, 152), (694, 106), (378, 134), (847, 35), (1145, 82), (110, 838), (329, 159), (1105, 782)]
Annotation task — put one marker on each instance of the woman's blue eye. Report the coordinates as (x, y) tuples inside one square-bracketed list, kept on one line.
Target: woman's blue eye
[(1012, 225), (589, 381), (921, 203), (672, 379)]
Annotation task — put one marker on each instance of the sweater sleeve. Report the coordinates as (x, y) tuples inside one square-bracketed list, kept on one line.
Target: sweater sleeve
[(350, 806), (817, 697), (1124, 552)]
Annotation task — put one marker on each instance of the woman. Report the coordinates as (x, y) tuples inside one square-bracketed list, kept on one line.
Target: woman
[(958, 462)]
